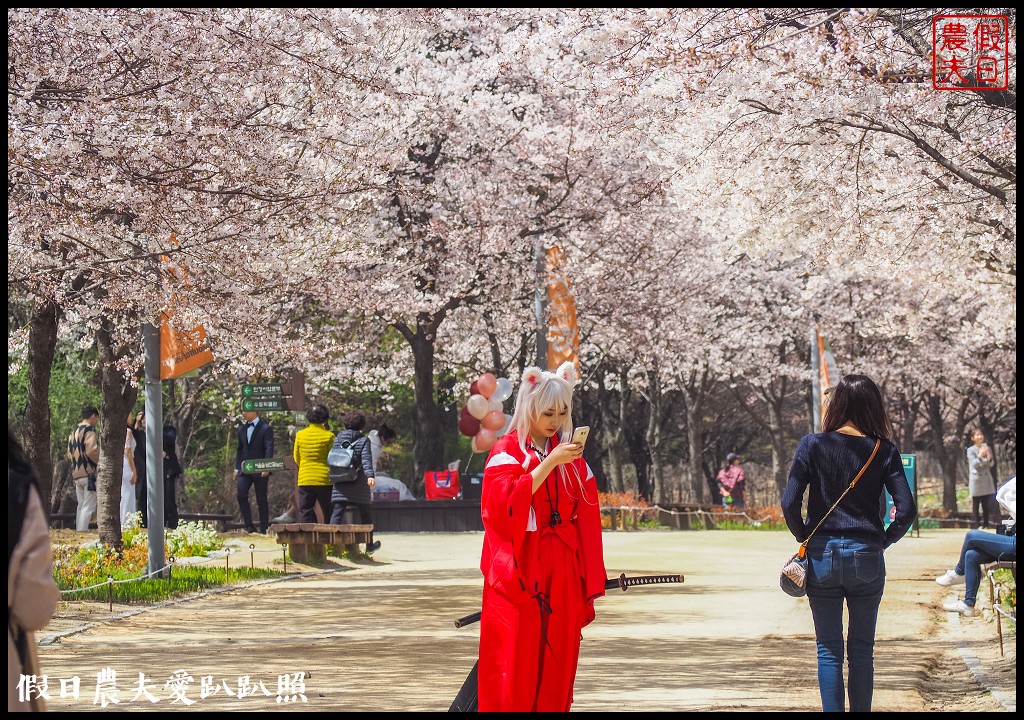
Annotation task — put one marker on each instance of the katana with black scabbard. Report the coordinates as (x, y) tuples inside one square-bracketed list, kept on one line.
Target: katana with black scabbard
[(466, 700), (622, 582)]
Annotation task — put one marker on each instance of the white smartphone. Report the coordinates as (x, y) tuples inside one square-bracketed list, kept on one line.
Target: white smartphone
[(579, 435)]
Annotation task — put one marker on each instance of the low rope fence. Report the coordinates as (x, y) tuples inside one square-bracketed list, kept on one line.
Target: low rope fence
[(716, 514), (643, 512), (709, 518), (172, 561), (952, 521)]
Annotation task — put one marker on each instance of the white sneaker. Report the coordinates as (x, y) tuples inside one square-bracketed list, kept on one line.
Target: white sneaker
[(950, 578), (960, 607)]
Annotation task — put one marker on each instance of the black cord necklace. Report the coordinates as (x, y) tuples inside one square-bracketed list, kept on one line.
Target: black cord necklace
[(556, 518), (540, 453)]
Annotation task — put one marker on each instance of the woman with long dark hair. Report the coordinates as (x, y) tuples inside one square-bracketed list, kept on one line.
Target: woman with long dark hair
[(846, 564)]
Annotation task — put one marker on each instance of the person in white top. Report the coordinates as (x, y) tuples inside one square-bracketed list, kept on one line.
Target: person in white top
[(1007, 497), (378, 439), (129, 474)]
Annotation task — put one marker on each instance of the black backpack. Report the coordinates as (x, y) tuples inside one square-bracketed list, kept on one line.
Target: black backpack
[(343, 462)]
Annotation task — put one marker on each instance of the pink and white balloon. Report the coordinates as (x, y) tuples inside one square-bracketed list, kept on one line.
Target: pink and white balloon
[(485, 405), (486, 384), (507, 424), (494, 420), (485, 439), (502, 390), (478, 406)]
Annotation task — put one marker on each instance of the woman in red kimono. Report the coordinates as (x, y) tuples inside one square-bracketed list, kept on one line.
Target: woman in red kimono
[(542, 558)]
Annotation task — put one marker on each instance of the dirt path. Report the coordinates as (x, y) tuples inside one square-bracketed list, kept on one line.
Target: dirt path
[(378, 635)]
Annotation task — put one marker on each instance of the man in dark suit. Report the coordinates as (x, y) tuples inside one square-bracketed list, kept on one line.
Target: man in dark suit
[(172, 472), (255, 442), (141, 494)]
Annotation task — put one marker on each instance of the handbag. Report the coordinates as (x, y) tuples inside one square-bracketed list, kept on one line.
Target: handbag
[(441, 484), (793, 578)]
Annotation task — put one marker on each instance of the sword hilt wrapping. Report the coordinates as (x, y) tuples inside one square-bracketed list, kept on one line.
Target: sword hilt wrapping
[(625, 583)]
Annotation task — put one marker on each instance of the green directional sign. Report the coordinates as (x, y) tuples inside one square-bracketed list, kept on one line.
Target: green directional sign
[(263, 465), (257, 404), (910, 469), (253, 391)]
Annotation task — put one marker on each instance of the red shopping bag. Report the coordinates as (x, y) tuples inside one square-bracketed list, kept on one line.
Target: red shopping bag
[(441, 484)]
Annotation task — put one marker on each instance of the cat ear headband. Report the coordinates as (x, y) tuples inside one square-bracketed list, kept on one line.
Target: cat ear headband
[(566, 371)]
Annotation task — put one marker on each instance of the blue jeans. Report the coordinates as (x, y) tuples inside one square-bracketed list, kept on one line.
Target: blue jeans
[(851, 570), (979, 548)]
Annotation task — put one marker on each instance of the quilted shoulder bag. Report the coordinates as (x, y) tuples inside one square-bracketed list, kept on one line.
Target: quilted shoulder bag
[(793, 578)]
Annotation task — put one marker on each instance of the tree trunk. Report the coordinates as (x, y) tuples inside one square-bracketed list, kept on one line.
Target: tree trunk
[(182, 409), (117, 399), (633, 439), (62, 497), (694, 393), (42, 341), (616, 459), (639, 455), (654, 436), (907, 439), (428, 441), (948, 451), (493, 344), (621, 446), (612, 437), (695, 440), (770, 421), (777, 431)]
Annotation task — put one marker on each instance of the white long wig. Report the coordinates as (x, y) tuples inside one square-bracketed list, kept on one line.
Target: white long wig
[(541, 390)]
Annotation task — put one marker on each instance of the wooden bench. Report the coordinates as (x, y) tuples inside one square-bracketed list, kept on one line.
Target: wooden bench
[(63, 520), (309, 541), (995, 594), (221, 519)]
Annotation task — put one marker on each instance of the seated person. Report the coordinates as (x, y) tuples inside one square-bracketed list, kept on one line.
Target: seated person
[(979, 548)]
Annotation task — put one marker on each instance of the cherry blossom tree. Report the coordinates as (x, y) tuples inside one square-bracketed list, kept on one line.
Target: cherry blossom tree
[(223, 130), (767, 348), (363, 193)]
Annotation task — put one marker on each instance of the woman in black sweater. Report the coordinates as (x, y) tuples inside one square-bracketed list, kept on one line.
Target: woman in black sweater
[(846, 553)]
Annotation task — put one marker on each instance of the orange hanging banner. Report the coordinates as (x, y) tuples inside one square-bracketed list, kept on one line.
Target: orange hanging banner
[(181, 350), (563, 335), (829, 372)]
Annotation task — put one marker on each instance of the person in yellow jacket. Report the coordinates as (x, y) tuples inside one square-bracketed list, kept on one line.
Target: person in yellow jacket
[(312, 444)]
